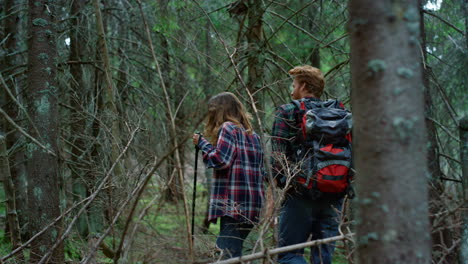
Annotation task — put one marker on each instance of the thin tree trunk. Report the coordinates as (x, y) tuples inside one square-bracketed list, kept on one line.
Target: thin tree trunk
[(463, 256), (15, 141), (11, 212), (43, 192), (436, 188), (109, 104), (207, 84), (256, 46), (314, 56), (109, 107), (97, 211), (78, 126), (174, 192), (389, 133)]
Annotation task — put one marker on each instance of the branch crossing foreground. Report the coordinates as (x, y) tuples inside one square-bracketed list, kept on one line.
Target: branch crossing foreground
[(279, 250)]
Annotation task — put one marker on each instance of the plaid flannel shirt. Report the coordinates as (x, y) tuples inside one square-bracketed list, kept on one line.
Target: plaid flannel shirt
[(284, 132), (237, 186)]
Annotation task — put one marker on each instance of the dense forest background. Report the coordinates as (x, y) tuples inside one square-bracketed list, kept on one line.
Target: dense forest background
[(98, 101)]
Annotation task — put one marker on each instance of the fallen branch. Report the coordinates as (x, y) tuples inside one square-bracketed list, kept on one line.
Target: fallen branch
[(276, 251)]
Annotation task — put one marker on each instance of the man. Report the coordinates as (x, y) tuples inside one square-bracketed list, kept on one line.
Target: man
[(303, 216)]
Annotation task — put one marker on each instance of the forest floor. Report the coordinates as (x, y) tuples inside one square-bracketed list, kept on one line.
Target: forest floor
[(166, 238), (161, 238)]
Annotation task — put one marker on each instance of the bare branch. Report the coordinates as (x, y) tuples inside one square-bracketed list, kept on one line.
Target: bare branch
[(93, 196), (444, 21), (35, 141)]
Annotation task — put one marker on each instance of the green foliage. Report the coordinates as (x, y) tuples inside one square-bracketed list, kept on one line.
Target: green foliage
[(166, 28)]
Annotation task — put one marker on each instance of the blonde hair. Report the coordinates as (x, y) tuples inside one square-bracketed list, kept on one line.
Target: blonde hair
[(311, 76), (222, 108)]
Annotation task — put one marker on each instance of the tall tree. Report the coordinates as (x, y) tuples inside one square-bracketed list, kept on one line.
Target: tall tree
[(79, 100), (78, 96), (463, 256), (255, 47), (173, 192), (108, 110), (5, 178), (43, 192), (12, 98), (389, 133), (436, 187)]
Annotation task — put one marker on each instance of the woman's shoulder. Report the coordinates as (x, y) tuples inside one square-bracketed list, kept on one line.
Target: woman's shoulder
[(234, 128), (230, 127)]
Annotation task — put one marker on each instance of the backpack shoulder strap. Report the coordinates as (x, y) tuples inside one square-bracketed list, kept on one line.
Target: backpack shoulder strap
[(331, 103), (334, 103), (297, 103)]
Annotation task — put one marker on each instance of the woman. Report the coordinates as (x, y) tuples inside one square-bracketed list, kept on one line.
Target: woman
[(237, 158)]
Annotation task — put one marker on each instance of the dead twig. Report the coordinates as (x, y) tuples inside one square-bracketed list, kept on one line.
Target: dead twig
[(276, 251)]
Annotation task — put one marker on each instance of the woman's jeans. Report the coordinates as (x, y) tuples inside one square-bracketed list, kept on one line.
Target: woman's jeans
[(231, 237), (302, 219)]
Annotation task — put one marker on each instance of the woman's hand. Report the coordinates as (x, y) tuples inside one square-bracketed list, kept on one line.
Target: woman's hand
[(196, 139)]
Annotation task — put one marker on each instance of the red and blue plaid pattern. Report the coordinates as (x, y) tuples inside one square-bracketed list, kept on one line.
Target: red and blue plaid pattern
[(237, 186)]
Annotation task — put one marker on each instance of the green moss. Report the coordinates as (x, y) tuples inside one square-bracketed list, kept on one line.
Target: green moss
[(404, 127), (376, 66), (43, 105), (412, 15), (366, 201), (53, 234), (43, 248), (413, 40), (48, 70), (38, 192), (365, 239), (44, 57), (48, 32), (390, 235), (405, 72), (40, 22), (398, 90), (385, 208), (413, 28), (30, 149)]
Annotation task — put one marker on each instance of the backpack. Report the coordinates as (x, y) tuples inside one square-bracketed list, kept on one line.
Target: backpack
[(322, 149)]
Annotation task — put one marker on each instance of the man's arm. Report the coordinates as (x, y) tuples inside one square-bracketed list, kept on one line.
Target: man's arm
[(283, 133)]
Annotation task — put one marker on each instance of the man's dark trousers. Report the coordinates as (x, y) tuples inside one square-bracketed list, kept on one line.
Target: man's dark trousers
[(303, 218)]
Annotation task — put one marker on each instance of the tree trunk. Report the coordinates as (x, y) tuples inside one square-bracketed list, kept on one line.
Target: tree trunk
[(109, 108), (255, 48), (463, 256), (436, 187), (173, 193), (79, 101), (207, 84), (14, 140), (314, 56), (11, 212), (389, 133), (42, 166)]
